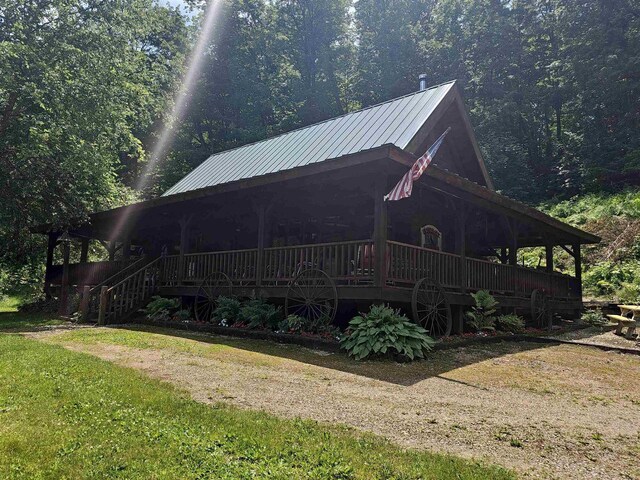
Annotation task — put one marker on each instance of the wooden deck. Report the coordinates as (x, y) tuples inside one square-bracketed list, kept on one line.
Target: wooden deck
[(350, 265), (347, 263)]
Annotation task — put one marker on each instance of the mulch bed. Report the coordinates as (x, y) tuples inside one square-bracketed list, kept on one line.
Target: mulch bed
[(315, 343), (319, 343)]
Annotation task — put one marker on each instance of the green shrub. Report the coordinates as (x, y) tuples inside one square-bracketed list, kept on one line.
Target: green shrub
[(510, 323), (182, 315), (161, 308), (294, 324), (482, 314), (299, 325), (593, 318), (227, 311), (608, 278), (629, 293), (383, 330), (257, 313)]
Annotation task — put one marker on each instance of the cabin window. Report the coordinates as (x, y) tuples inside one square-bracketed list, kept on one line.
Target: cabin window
[(430, 237)]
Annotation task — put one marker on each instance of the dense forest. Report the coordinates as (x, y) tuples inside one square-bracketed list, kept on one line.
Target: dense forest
[(552, 87)]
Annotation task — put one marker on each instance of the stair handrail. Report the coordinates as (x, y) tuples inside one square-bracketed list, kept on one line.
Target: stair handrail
[(106, 291), (90, 293), (97, 287), (134, 273)]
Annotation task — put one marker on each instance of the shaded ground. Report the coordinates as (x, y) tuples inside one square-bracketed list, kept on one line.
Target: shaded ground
[(548, 411), (11, 319), (597, 336)]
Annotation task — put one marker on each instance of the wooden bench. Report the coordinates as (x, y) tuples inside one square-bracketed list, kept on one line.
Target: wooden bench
[(624, 322)]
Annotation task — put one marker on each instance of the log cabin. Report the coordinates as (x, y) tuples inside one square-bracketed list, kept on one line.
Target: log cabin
[(300, 219)]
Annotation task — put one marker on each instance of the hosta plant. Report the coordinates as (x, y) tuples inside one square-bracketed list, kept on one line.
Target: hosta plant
[(382, 331)]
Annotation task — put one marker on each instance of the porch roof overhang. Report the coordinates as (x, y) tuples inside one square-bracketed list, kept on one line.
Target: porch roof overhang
[(482, 196), (434, 177)]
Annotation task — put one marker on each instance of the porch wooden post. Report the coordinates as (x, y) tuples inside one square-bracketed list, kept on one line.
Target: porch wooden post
[(112, 250), (549, 258), (102, 309), (513, 246), (51, 245), (84, 302), (461, 243), (577, 256), (64, 294), (380, 231), (460, 210), (84, 250), (185, 222), (261, 210)]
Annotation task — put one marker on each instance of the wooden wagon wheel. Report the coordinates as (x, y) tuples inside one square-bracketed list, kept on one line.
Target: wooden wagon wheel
[(211, 288), (431, 309), (312, 295), (540, 309)]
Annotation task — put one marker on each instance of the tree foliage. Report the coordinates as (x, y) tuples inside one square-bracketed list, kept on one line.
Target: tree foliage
[(81, 85), (552, 86)]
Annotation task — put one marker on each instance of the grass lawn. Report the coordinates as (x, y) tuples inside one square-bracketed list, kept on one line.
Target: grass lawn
[(547, 411), (10, 319), (65, 414)]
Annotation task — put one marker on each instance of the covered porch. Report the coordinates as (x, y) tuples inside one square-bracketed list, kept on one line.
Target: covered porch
[(262, 232)]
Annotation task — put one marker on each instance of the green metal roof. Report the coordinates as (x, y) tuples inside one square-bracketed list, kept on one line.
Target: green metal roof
[(394, 122)]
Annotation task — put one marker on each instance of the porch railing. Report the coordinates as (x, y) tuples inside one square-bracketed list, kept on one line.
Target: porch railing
[(408, 264), (484, 275), (345, 262), (238, 265), (353, 262)]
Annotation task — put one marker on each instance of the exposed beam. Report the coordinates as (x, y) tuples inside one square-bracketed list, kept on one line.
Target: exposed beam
[(64, 294), (51, 246), (461, 243), (568, 250), (462, 188)]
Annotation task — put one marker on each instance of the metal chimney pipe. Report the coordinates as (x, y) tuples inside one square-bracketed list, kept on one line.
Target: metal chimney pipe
[(423, 81)]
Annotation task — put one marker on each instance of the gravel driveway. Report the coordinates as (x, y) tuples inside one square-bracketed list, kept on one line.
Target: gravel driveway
[(546, 411)]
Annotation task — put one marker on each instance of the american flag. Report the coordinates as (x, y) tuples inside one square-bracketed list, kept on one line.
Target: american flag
[(404, 187)]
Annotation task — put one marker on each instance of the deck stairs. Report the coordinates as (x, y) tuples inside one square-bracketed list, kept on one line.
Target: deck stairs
[(90, 295), (120, 301)]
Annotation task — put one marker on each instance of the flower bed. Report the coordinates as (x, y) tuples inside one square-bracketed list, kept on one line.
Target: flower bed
[(312, 341)]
